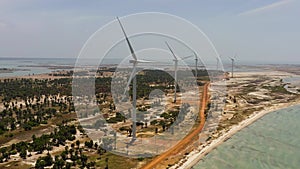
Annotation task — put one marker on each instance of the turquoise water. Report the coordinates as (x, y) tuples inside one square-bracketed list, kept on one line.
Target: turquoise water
[(26, 66), (273, 142)]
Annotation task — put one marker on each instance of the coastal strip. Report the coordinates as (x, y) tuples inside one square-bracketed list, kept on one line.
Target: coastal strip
[(195, 156)]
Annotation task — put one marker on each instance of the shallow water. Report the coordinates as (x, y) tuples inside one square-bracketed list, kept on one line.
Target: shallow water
[(294, 80), (26, 66), (271, 142)]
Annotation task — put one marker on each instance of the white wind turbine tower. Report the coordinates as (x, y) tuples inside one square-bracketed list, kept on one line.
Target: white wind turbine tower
[(134, 61), (176, 68)]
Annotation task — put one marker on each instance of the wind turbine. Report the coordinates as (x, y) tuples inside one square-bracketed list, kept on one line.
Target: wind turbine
[(134, 61), (176, 66), (196, 65), (196, 62), (232, 64), (175, 71), (217, 72)]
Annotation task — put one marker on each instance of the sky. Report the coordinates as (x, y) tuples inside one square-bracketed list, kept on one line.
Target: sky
[(257, 31)]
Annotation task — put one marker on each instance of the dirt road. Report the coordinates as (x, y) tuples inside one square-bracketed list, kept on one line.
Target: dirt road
[(184, 142)]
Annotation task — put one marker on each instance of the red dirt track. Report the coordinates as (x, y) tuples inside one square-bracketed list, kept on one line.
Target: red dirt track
[(184, 142)]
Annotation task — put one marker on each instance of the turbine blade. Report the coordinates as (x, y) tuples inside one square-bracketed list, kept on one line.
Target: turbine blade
[(232, 59), (195, 54), (187, 57), (130, 79), (171, 50), (235, 55), (128, 42)]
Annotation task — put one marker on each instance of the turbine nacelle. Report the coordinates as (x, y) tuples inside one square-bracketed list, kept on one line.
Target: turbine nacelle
[(140, 61)]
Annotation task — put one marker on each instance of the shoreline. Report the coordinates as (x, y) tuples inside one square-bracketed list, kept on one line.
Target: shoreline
[(35, 76), (198, 154)]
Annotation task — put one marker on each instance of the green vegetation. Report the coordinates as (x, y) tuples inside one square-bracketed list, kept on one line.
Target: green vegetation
[(40, 144), (75, 156), (28, 89), (31, 102), (277, 89), (31, 105), (118, 118), (32, 115)]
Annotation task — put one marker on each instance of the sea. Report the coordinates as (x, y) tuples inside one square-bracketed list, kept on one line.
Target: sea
[(22, 66), (272, 142), (29, 66)]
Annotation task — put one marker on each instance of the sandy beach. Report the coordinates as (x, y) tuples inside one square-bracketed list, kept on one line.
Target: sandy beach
[(195, 156)]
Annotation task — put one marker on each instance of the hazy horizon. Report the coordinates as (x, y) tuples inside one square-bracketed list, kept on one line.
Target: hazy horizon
[(225, 61)]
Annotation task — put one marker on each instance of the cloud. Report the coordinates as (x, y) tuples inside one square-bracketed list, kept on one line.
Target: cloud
[(266, 8)]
